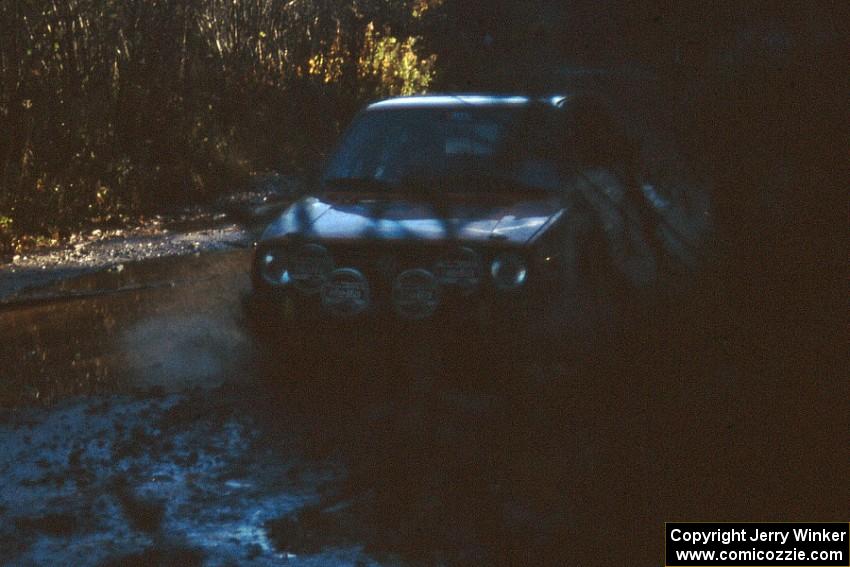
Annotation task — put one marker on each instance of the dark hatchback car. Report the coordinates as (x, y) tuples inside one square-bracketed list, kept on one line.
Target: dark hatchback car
[(439, 208)]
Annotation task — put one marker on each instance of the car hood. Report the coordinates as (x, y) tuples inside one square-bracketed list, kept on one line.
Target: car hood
[(513, 219)]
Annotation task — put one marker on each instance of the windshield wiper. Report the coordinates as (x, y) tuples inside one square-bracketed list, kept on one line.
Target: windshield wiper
[(359, 183)]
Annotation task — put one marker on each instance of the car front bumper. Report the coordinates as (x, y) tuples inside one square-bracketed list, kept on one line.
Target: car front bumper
[(488, 311)]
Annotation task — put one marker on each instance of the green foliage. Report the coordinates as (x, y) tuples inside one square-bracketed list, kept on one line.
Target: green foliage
[(395, 65), (110, 108)]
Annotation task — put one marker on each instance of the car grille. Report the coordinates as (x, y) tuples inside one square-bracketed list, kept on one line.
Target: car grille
[(381, 265)]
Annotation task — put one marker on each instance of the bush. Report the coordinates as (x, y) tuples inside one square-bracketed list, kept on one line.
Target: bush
[(119, 107)]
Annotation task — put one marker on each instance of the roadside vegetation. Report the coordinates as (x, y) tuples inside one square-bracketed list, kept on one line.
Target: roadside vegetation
[(109, 108)]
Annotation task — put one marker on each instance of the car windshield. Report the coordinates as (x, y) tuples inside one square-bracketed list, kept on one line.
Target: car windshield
[(479, 148)]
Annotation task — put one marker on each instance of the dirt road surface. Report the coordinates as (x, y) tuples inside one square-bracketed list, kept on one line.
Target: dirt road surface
[(141, 425)]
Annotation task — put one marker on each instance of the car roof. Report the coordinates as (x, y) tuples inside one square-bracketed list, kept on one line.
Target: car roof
[(465, 100)]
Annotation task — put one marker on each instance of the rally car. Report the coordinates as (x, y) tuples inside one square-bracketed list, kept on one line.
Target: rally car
[(444, 208)]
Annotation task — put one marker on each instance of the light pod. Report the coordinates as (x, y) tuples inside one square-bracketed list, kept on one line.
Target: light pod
[(345, 292), (416, 294), (461, 269), (309, 267)]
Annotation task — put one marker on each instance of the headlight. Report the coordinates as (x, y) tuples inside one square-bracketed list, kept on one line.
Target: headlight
[(309, 267), (509, 272), (273, 267)]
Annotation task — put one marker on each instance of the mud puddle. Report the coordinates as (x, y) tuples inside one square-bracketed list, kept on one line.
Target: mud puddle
[(170, 324), (142, 425)]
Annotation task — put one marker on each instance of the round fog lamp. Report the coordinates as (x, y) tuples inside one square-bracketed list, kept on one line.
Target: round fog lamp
[(460, 268), (509, 272), (416, 294), (346, 292), (309, 267)]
